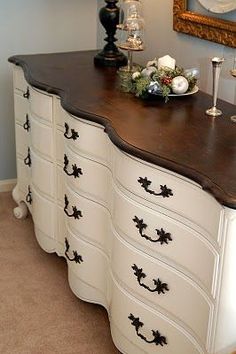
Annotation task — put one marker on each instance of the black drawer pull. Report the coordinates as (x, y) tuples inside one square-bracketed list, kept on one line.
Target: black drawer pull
[(164, 237), (158, 338), (145, 183), (27, 160), (26, 125), (77, 257), (76, 213), (29, 196), (159, 286), (74, 135), (26, 94), (76, 171)]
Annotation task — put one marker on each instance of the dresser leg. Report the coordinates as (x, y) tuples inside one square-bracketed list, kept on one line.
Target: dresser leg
[(21, 211)]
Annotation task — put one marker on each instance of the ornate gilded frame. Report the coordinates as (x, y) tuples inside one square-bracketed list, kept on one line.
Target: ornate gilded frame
[(205, 27)]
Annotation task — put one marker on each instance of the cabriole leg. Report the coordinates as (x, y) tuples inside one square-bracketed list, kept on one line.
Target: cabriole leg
[(21, 211)]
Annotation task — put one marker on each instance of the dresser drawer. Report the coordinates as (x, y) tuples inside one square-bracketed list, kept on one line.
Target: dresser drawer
[(21, 107), (43, 213), (42, 175), (41, 137), (19, 79), (22, 140), (85, 261), (87, 176), (146, 328), (162, 286), (23, 175), (87, 218), (169, 191), (162, 236), (41, 104), (86, 138)]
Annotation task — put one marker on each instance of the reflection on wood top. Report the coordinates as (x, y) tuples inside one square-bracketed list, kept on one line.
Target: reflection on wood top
[(176, 135)]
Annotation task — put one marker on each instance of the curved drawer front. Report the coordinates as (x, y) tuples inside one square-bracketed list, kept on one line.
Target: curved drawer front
[(161, 285), (23, 175), (41, 104), (86, 139), (88, 218), (43, 213), (87, 176), (60, 146), (42, 174), (19, 79), (22, 140), (160, 235), (163, 335), (21, 106), (41, 137), (173, 193), (87, 262)]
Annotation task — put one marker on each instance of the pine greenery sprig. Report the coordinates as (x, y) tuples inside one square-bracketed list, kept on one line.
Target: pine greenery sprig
[(138, 83)]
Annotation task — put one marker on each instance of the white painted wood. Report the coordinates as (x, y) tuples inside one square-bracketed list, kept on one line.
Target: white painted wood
[(20, 212), (92, 140), (41, 104), (23, 175), (21, 107), (198, 314), (201, 263), (96, 188), (124, 304), (94, 225), (22, 141), (226, 318), (19, 79), (94, 269), (187, 199), (42, 176), (41, 137), (43, 213), (182, 294), (7, 185)]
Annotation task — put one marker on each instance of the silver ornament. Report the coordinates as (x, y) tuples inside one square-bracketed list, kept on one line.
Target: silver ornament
[(154, 88), (194, 72)]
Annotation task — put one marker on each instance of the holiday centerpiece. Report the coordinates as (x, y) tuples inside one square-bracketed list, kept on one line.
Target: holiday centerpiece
[(160, 77)]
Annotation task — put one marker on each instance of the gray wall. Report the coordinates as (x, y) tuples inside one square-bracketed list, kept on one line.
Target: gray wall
[(37, 26), (188, 51)]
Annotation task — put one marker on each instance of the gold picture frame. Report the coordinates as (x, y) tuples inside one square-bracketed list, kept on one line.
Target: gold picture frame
[(205, 27)]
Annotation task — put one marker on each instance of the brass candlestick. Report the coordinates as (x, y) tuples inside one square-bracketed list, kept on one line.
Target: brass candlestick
[(216, 69)]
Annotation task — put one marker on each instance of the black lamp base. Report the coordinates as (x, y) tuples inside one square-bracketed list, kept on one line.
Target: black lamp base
[(105, 58), (110, 55)]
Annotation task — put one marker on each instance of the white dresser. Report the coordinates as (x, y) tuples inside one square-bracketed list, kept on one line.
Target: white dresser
[(150, 245)]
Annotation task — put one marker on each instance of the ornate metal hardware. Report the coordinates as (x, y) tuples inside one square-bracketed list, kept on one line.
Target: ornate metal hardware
[(164, 237), (29, 196), (74, 135), (145, 183), (159, 286), (158, 338), (26, 94), (76, 213), (77, 257), (27, 160), (76, 171), (26, 125)]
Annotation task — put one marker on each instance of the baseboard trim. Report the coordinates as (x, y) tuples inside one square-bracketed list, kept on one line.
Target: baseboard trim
[(7, 185)]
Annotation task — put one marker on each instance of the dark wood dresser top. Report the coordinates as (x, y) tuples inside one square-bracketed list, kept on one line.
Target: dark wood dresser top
[(176, 135)]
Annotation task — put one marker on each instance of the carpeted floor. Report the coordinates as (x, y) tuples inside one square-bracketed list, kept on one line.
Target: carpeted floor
[(38, 312)]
